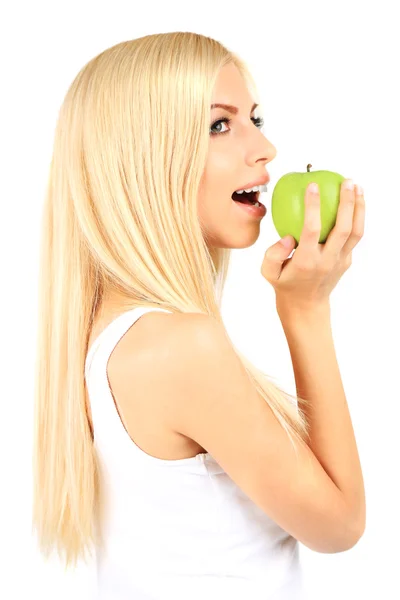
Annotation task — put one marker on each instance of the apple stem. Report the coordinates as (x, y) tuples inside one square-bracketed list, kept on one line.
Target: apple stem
[(308, 168)]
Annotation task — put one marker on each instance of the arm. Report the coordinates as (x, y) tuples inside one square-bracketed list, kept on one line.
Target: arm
[(318, 380)]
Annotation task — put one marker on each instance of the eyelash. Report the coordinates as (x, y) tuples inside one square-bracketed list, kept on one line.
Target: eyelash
[(259, 122)]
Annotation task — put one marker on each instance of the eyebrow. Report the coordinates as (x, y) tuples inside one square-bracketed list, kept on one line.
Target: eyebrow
[(232, 109)]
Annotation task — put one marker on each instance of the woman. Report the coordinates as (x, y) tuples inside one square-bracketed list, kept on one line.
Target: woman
[(160, 445)]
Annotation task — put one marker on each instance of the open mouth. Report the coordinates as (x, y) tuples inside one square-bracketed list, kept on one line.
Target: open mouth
[(246, 197)]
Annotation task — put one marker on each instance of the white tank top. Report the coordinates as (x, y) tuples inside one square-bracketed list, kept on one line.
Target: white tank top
[(176, 529)]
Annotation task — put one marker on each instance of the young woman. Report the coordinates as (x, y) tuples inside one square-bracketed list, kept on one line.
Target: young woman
[(157, 443)]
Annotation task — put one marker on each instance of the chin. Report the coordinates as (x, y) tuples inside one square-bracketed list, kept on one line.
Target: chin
[(241, 239)]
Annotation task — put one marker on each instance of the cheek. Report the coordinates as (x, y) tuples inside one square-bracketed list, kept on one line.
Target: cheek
[(202, 211), (211, 205), (208, 215)]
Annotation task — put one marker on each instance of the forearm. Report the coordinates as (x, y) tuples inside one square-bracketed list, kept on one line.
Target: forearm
[(318, 380)]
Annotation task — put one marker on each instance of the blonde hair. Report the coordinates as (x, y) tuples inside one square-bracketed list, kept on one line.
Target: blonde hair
[(120, 214)]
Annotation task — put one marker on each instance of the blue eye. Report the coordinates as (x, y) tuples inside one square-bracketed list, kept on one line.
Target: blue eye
[(258, 121)]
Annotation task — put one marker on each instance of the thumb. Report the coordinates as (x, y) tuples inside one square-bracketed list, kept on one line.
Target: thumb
[(276, 256)]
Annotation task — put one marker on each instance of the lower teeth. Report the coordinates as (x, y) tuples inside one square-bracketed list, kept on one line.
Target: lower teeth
[(257, 204)]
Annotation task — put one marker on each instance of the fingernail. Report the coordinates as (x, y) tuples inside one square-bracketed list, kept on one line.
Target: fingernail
[(349, 185), (286, 241), (313, 188)]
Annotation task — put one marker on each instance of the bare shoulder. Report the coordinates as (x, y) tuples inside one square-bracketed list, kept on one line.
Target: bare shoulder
[(166, 328), (160, 341), (183, 335), (205, 394), (166, 349)]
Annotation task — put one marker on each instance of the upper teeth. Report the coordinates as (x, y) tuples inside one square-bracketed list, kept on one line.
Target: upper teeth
[(256, 188)]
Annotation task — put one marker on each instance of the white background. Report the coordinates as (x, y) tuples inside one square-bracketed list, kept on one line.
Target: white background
[(328, 77)]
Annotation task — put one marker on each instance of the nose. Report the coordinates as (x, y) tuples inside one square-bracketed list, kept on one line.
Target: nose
[(265, 151)]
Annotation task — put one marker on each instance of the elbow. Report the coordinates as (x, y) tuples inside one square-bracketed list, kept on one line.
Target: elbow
[(355, 533), (358, 535), (351, 535), (336, 544), (359, 525), (354, 528)]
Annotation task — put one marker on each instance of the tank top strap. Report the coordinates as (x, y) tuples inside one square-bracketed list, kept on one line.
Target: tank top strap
[(110, 435), (105, 343)]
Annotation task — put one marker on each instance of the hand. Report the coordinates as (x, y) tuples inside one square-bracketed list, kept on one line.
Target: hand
[(306, 279)]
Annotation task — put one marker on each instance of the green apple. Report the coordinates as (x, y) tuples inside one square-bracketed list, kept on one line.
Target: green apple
[(288, 202)]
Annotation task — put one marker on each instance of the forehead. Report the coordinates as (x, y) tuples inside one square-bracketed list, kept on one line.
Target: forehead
[(231, 88)]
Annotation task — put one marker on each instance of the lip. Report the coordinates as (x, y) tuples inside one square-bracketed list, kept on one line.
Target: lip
[(257, 212), (261, 181)]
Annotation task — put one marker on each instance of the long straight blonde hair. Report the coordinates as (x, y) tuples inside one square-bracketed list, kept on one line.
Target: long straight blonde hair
[(120, 214)]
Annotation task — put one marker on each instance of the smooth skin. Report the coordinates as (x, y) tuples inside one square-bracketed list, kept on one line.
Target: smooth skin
[(208, 397)]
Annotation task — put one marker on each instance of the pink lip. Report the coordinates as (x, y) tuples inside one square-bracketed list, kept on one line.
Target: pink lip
[(262, 181)]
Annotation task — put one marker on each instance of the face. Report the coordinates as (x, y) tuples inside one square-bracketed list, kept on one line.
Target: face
[(238, 153)]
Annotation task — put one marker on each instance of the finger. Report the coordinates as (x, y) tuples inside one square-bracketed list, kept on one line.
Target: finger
[(311, 231), (358, 223), (340, 233)]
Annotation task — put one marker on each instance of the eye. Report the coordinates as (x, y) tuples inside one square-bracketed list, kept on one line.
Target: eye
[(258, 121)]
